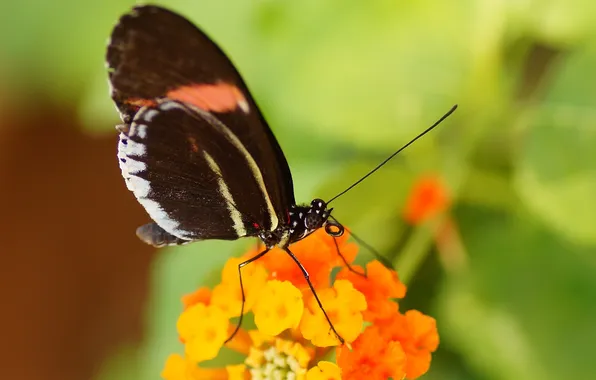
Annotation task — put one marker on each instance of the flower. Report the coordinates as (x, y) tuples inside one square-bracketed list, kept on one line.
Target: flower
[(379, 287), (228, 295), (372, 357), (180, 368), (278, 308), (324, 371), (427, 199), (344, 306), (418, 336), (318, 255), (277, 358), (201, 295), (203, 329), (293, 336)]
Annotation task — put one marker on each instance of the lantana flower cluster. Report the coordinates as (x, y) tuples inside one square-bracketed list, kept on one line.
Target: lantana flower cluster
[(292, 339)]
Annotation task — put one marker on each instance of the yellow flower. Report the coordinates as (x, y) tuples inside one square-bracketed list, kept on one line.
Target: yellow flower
[(324, 371), (276, 358), (278, 307), (203, 329), (236, 372), (344, 306), (228, 296), (179, 368)]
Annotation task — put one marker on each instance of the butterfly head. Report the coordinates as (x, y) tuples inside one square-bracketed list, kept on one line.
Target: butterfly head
[(304, 220), (317, 215)]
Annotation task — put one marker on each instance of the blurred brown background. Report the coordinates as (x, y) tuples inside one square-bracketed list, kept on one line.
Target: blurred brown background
[(74, 275)]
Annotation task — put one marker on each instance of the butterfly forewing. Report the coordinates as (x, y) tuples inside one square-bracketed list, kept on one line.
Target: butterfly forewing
[(156, 56)]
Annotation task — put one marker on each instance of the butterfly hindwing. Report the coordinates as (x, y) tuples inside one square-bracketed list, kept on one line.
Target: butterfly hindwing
[(192, 175), (155, 56)]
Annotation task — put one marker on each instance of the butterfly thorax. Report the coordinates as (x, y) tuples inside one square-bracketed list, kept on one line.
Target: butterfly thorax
[(302, 221)]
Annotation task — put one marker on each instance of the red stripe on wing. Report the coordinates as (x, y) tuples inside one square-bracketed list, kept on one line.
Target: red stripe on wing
[(219, 97)]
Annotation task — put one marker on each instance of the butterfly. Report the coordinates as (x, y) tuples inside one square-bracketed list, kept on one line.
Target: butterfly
[(194, 148)]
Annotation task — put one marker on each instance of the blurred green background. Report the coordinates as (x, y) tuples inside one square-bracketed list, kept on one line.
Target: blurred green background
[(342, 84)]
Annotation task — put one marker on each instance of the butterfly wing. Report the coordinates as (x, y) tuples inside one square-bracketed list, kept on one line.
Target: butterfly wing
[(193, 175), (156, 56)]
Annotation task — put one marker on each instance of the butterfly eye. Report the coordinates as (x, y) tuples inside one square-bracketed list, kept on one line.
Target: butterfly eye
[(334, 229), (318, 204)]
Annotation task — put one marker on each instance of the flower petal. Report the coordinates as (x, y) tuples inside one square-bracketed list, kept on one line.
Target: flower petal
[(278, 307), (228, 295), (179, 368), (176, 368), (204, 330), (373, 357), (418, 336), (317, 253), (428, 198), (380, 286), (236, 372), (344, 306), (201, 295), (324, 371)]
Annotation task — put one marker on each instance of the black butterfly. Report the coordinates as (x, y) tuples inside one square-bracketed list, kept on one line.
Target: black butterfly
[(194, 148)]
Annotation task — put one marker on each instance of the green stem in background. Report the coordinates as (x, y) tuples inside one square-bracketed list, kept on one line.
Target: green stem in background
[(415, 251)]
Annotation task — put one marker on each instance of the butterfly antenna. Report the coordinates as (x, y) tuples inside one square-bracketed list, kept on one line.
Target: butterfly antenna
[(395, 153)]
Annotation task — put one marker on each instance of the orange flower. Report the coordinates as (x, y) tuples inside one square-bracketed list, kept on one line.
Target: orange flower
[(372, 357), (344, 306), (317, 253), (428, 198), (201, 295), (418, 336), (379, 286)]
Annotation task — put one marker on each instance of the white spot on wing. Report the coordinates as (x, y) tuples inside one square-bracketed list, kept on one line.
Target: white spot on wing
[(142, 131), (149, 114), (140, 187), (135, 148), (133, 166), (163, 219), (128, 153), (169, 105), (243, 104)]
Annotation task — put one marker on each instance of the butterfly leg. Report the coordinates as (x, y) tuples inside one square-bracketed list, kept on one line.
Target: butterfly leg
[(382, 259), (312, 288), (346, 261), (240, 266)]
